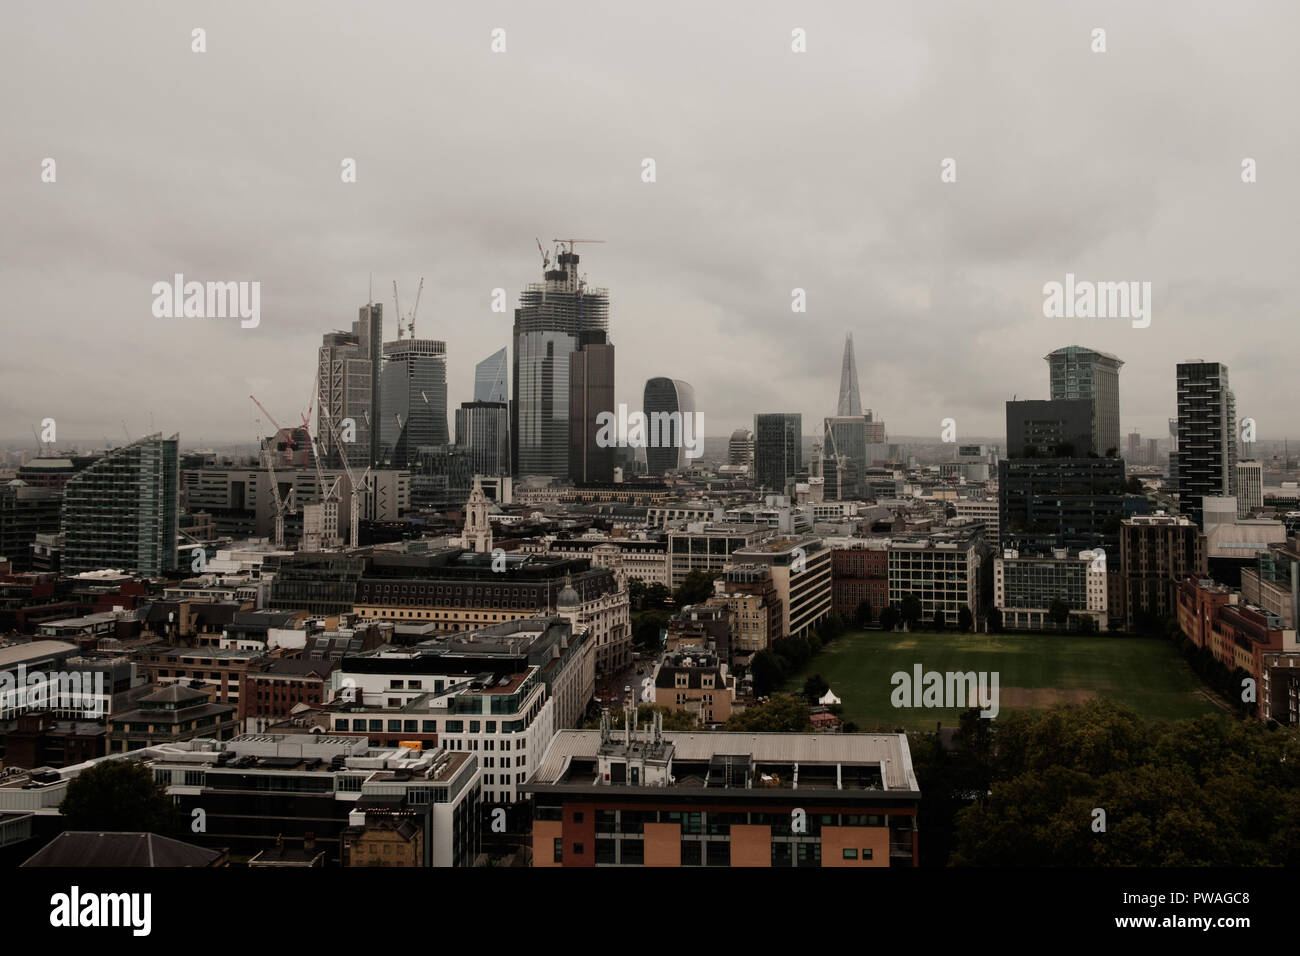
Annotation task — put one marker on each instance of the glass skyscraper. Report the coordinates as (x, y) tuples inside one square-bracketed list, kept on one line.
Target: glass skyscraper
[(553, 320), (674, 398), (778, 449), (490, 378), (413, 396), (121, 512), (1207, 438), (1077, 372)]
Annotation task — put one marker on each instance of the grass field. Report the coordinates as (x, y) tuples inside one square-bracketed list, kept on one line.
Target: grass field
[(1035, 671)]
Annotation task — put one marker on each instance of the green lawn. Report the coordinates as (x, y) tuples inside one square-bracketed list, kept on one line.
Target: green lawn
[(1146, 673)]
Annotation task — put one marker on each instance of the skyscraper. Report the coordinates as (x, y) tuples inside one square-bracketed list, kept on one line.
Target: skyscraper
[(778, 449), (676, 399), (1077, 372), (413, 395), (1207, 446), (483, 432), (552, 317), (850, 402), (1250, 486), (122, 511), (348, 371), (1061, 428), (591, 391), (490, 378), (740, 448)]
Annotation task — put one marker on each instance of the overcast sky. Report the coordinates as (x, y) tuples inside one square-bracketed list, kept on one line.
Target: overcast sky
[(775, 170)]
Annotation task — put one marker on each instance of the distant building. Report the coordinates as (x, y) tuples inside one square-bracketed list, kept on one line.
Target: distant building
[(490, 377), (941, 569), (1061, 428), (669, 401), (1079, 373), (755, 611), (483, 432), (1206, 453), (1250, 487), (1026, 586), (591, 393), (801, 573), (778, 449), (122, 510), (413, 395), (1156, 553), (175, 713), (740, 448), (860, 576), (695, 681), (348, 380)]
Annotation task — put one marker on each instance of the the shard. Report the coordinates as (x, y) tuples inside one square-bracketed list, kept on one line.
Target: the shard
[(850, 402)]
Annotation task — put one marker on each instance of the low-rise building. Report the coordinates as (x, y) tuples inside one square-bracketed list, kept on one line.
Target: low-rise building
[(695, 681), (630, 798)]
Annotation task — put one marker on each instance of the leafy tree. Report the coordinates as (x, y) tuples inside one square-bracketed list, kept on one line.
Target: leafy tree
[(697, 587), (862, 616), (782, 713), (1058, 612), (815, 687), (119, 795), (995, 620), (965, 619), (657, 595), (889, 617), (910, 610), (768, 670), (646, 628)]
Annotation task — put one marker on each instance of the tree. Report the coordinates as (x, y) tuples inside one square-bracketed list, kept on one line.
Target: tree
[(783, 713), (647, 626), (815, 687), (119, 796), (862, 616), (697, 587), (910, 610), (995, 620), (965, 619), (1058, 612), (768, 670), (939, 620), (889, 617)]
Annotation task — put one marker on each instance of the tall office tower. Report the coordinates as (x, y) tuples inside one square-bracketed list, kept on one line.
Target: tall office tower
[(490, 378), (122, 511), (591, 391), (348, 372), (25, 512), (1072, 503), (666, 403), (413, 395), (740, 447), (1050, 429), (1207, 441), (850, 402), (778, 449), (483, 432), (1250, 486), (1134, 454), (1077, 372), (554, 319)]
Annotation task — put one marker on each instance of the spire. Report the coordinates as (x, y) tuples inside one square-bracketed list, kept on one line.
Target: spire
[(850, 401)]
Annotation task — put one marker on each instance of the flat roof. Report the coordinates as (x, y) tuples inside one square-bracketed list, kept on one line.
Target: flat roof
[(18, 653)]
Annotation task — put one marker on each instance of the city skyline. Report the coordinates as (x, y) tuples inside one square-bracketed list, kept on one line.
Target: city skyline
[(940, 283)]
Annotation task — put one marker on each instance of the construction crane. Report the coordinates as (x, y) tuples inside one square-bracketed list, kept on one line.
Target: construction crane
[(288, 435), (410, 319), (572, 241), (546, 256), (366, 483), (282, 506)]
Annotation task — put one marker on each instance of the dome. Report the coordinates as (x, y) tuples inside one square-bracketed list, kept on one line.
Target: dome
[(568, 597)]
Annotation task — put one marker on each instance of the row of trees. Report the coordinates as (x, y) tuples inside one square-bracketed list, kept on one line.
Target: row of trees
[(1094, 784), (773, 666), (908, 613)]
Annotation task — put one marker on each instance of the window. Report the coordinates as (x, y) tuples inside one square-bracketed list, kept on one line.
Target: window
[(632, 852), (559, 850), (850, 854), (577, 849), (866, 854), (577, 816)]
